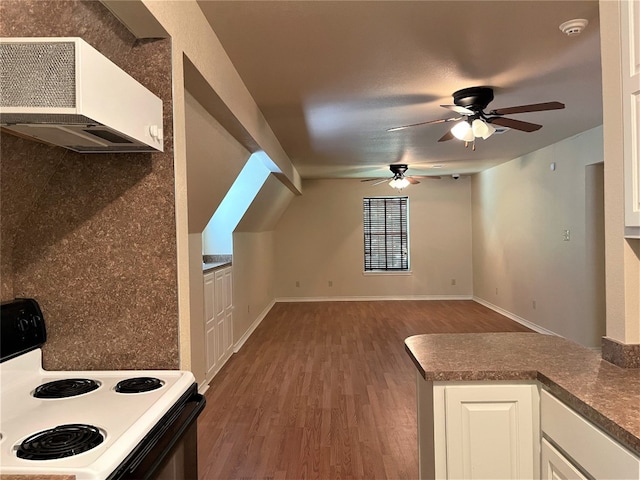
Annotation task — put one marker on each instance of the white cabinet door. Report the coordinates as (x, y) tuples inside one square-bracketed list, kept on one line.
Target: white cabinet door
[(210, 325), (218, 299), (210, 353), (630, 60), (491, 432), (219, 313), (555, 466), (228, 311)]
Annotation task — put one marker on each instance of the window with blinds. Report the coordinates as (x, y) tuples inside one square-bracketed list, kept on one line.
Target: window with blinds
[(386, 236)]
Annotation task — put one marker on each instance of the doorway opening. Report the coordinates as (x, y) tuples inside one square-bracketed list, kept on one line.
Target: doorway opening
[(594, 247)]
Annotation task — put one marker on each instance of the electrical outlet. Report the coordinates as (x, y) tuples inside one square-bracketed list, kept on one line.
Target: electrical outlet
[(453, 281), (496, 290), (330, 282), (533, 304), (566, 235), (297, 283)]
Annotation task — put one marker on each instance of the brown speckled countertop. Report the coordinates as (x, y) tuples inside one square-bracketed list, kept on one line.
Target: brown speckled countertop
[(607, 395), (214, 262)]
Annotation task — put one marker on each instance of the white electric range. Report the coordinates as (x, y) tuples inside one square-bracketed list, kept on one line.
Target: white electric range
[(96, 425)]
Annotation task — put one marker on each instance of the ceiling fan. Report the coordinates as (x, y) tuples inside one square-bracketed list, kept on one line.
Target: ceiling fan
[(470, 103), (399, 180)]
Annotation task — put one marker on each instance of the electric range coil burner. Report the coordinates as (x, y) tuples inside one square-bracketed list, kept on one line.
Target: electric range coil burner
[(139, 385), (67, 387), (59, 442)]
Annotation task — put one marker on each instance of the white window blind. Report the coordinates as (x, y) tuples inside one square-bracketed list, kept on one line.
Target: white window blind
[(386, 238)]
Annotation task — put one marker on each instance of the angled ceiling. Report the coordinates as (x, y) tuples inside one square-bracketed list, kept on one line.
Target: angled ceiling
[(332, 76)]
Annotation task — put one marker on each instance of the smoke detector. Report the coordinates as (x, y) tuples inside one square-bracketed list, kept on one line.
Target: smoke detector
[(574, 27)]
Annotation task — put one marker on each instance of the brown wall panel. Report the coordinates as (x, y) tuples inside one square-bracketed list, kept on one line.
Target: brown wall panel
[(92, 237)]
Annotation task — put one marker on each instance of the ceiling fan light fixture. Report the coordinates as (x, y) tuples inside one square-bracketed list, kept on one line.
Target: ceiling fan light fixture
[(399, 183), (475, 123), (482, 129), (463, 131)]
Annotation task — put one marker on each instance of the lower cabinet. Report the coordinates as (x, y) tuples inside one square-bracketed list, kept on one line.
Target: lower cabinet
[(490, 431), (578, 449), (556, 466), (218, 300), (479, 430), (511, 430)]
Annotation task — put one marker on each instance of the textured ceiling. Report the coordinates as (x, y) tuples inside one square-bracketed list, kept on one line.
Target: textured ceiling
[(332, 76)]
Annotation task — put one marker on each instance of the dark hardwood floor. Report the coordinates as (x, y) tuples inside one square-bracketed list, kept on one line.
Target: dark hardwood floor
[(326, 390)]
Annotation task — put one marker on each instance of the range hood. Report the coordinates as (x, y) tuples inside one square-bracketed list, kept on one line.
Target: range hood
[(64, 92)]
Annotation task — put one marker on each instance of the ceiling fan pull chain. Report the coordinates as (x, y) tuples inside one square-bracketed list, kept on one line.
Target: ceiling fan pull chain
[(473, 147)]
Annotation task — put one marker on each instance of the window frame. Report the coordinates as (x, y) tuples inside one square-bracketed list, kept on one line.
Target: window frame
[(389, 262)]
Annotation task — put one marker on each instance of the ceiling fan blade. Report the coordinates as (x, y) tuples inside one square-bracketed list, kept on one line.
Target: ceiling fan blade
[(431, 177), (446, 136), (369, 179), (442, 120), (379, 181), (459, 109), (515, 124), (412, 181), (535, 107)]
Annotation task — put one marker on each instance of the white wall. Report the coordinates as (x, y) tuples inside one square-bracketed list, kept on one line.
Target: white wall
[(254, 263), (217, 237), (520, 211), (320, 239), (214, 160), (253, 280)]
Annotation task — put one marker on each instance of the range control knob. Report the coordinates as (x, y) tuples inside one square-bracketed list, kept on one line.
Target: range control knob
[(35, 320), (23, 325)]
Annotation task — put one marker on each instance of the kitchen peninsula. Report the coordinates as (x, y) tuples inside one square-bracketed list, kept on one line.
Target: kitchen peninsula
[(496, 403)]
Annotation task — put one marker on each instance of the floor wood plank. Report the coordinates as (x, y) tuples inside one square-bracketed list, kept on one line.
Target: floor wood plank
[(325, 390)]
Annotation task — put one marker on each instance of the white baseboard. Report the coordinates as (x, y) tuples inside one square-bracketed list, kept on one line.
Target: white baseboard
[(238, 345), (204, 386), (515, 317), (372, 299)]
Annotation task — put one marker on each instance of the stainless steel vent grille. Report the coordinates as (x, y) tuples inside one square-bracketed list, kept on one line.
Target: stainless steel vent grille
[(37, 74), (45, 119)]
